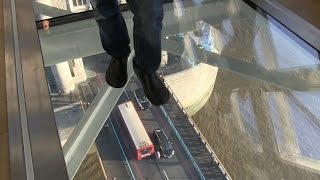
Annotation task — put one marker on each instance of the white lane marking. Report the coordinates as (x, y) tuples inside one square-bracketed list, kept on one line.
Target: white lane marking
[(126, 93), (164, 172), (124, 154)]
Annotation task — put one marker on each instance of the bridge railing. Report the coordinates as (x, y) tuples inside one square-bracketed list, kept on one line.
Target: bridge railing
[(201, 136)]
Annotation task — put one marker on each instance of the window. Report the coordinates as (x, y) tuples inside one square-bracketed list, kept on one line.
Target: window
[(71, 65), (79, 2), (146, 151), (79, 5)]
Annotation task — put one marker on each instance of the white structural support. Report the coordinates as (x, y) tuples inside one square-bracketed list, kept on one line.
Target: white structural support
[(193, 87), (89, 126)]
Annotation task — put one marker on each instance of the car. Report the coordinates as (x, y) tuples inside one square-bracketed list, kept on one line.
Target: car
[(141, 99), (163, 144)]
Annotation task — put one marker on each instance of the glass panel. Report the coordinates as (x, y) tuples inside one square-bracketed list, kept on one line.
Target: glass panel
[(244, 90), (251, 113), (75, 90), (118, 154), (75, 70), (92, 166)]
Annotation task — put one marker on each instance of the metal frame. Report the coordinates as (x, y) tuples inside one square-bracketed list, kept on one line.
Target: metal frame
[(295, 23), (35, 149), (70, 18), (89, 126), (14, 123), (34, 145)]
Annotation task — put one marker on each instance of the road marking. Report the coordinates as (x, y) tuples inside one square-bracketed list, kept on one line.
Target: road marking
[(66, 107), (124, 90), (122, 149), (127, 144), (179, 149), (164, 172)]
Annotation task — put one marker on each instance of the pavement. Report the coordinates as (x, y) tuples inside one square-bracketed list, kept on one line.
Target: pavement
[(114, 143), (178, 167), (116, 151), (201, 155)]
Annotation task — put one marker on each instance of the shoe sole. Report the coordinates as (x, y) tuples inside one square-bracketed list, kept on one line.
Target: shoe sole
[(160, 103), (115, 85), (137, 72)]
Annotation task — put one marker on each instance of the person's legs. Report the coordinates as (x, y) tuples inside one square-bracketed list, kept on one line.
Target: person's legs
[(148, 15), (147, 28), (114, 39), (112, 27)]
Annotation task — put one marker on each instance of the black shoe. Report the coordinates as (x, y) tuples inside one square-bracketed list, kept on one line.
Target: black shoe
[(153, 87), (116, 75)]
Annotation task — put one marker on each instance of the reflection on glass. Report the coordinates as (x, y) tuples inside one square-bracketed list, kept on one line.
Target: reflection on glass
[(249, 84), (248, 117), (250, 121), (46, 9), (92, 166), (298, 139), (73, 85), (306, 123), (282, 120), (272, 48)]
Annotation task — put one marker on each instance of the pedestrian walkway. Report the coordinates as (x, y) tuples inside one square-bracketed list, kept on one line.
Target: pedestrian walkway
[(192, 140), (4, 149)]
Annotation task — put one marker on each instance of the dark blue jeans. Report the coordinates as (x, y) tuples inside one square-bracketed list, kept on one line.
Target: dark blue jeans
[(148, 15)]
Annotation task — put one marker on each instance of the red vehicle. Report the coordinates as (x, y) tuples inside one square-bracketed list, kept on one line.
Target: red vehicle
[(140, 138)]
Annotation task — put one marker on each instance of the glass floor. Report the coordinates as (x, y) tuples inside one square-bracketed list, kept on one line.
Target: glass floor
[(245, 95)]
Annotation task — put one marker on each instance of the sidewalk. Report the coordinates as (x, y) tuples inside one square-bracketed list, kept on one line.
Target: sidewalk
[(192, 140)]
